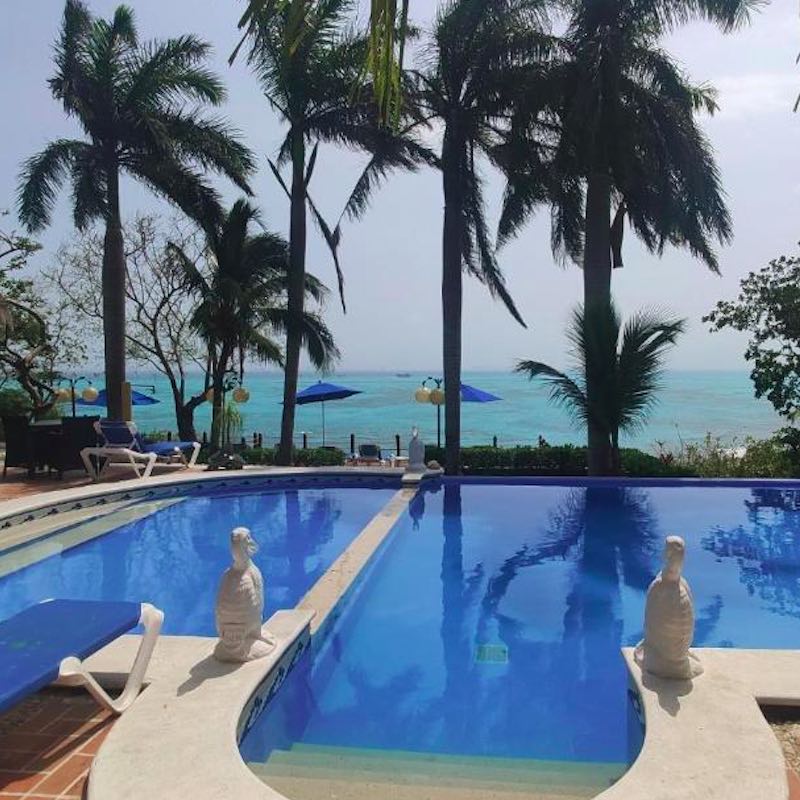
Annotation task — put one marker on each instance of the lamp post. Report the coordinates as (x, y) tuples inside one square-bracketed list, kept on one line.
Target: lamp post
[(436, 397), (89, 394)]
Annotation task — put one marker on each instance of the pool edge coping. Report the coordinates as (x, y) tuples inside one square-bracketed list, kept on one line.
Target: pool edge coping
[(247, 692), (95, 497), (707, 739)]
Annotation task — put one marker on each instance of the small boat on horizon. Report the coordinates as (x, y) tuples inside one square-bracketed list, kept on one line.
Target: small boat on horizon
[(402, 374)]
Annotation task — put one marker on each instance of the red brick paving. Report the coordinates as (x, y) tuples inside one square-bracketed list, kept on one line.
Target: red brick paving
[(18, 484), (47, 744), (794, 784)]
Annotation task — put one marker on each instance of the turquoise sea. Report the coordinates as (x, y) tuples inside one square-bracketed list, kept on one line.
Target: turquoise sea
[(690, 405)]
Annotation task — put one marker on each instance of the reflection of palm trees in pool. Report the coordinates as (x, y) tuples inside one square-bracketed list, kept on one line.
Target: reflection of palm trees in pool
[(767, 550), (309, 527), (458, 594), (608, 536)]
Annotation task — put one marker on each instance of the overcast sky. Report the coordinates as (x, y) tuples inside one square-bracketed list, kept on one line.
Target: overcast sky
[(392, 258)]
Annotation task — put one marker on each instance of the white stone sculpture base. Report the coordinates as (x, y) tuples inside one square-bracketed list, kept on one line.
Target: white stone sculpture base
[(238, 649)]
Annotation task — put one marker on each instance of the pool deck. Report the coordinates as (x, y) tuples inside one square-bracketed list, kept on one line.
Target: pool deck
[(47, 744), (705, 739)]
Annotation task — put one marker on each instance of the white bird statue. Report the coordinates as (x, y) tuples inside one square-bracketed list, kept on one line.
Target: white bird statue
[(416, 452), (669, 620), (240, 605)]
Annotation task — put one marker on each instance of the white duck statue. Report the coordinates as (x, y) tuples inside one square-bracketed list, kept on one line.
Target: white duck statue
[(240, 605), (669, 620), (416, 452)]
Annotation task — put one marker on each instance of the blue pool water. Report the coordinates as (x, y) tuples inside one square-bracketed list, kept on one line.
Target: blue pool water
[(174, 557), (491, 622)]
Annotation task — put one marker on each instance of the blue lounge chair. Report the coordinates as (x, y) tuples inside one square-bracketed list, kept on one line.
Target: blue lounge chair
[(47, 643), (122, 445)]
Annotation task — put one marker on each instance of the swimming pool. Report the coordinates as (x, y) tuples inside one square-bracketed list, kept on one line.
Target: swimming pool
[(174, 551), (481, 653)]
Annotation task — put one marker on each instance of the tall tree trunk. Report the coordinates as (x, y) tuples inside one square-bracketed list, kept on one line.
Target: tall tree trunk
[(453, 162), (184, 416), (114, 299), (295, 297), (597, 294), (217, 383)]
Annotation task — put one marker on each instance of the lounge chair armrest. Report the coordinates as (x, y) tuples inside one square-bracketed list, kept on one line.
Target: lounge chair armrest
[(73, 672)]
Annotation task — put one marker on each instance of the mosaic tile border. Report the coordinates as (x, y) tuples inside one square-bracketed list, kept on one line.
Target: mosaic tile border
[(194, 487), (272, 682)]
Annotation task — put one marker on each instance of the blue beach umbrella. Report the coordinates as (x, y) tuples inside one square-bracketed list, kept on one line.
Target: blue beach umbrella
[(320, 393), (137, 399), (469, 394)]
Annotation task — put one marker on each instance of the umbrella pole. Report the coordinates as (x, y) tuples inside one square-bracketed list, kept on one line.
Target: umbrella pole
[(323, 423)]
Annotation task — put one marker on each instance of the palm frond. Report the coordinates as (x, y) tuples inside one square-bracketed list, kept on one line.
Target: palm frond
[(181, 185), (265, 349), (565, 392), (485, 266), (66, 85), (210, 143), (41, 177), (89, 188), (645, 339), (193, 276), (170, 72)]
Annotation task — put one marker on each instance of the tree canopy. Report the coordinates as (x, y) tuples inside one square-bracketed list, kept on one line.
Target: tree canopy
[(768, 308)]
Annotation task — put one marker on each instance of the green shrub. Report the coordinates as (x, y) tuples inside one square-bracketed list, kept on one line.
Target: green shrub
[(775, 457), (563, 460), (313, 457), (319, 457), (638, 464)]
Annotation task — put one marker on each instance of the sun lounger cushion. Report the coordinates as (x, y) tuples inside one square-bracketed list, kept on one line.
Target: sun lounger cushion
[(164, 448), (35, 642)]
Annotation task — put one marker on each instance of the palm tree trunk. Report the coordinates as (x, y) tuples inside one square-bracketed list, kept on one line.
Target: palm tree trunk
[(453, 161), (218, 383), (114, 299), (295, 297), (596, 294), (616, 458)]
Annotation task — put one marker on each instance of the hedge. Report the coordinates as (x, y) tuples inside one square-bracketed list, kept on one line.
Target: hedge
[(560, 460), (312, 457)]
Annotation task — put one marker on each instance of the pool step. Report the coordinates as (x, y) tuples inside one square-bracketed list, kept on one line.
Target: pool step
[(316, 772), (46, 541)]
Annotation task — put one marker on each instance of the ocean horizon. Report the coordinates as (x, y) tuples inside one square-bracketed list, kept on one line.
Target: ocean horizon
[(691, 404)]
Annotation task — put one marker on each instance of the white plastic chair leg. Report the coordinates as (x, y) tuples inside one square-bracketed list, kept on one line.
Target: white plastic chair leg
[(72, 671), (195, 454), (87, 463), (151, 462)]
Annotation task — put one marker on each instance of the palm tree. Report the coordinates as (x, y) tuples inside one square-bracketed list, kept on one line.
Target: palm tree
[(383, 62), (137, 102), (242, 300), (624, 364), (481, 55), (627, 141), (309, 64)]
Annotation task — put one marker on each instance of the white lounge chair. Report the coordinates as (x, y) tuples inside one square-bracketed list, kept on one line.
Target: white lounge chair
[(123, 446), (48, 642)]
